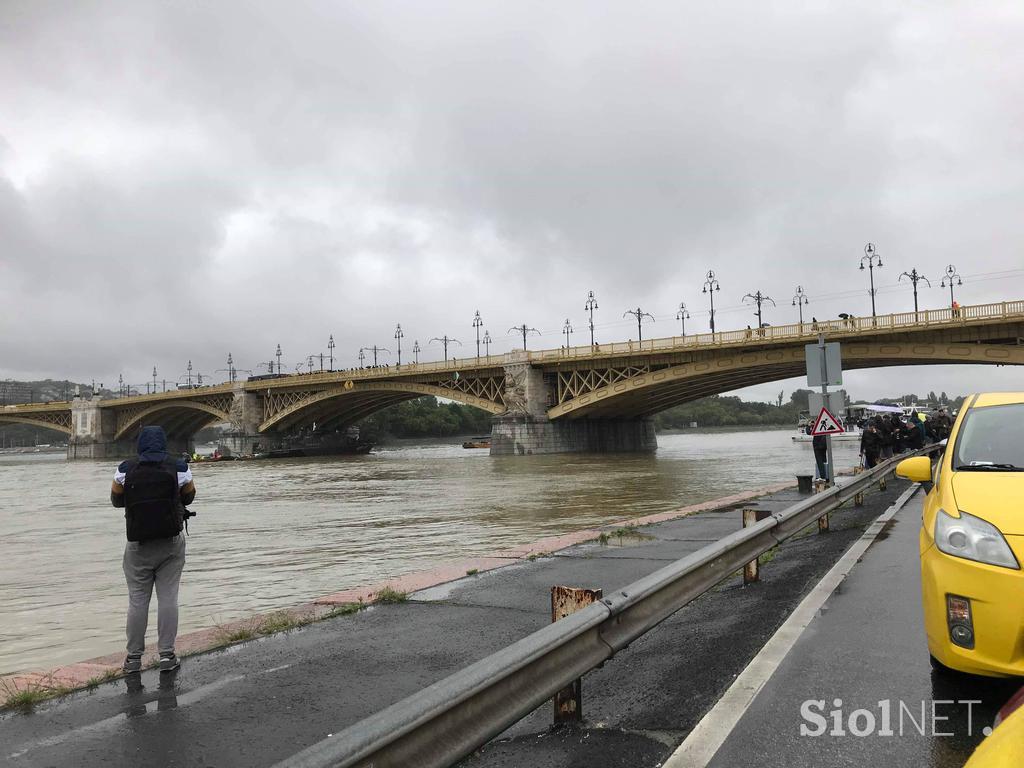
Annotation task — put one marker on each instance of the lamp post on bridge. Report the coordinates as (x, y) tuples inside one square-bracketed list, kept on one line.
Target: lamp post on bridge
[(567, 329), (398, 338), (523, 329), (639, 314), (951, 275), (189, 369), (915, 278), (487, 343), (362, 357), (120, 385), (710, 286), (330, 353), (416, 351), (278, 353), (230, 369), (445, 341), (154, 380), (759, 299), (477, 325), (870, 255), (799, 300), (682, 316), (590, 306), (375, 350)]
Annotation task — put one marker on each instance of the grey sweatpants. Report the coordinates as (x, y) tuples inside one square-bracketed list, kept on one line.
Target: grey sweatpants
[(147, 563)]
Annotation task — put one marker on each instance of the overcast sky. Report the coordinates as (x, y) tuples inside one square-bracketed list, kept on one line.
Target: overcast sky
[(183, 180)]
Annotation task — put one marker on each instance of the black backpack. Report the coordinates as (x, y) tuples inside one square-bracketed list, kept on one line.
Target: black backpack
[(152, 504)]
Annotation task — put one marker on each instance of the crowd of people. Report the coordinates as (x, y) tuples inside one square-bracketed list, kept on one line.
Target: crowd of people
[(889, 434)]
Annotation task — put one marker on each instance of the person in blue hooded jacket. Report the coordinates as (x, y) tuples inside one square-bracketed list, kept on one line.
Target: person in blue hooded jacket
[(153, 489)]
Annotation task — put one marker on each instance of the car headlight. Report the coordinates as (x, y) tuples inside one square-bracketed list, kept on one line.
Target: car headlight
[(972, 538)]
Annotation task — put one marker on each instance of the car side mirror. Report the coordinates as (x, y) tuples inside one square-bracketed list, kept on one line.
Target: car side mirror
[(918, 469)]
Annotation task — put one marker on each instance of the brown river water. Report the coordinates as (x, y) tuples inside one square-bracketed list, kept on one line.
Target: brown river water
[(270, 534)]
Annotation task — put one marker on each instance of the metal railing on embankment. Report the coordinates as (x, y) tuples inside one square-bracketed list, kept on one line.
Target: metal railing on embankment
[(448, 720)]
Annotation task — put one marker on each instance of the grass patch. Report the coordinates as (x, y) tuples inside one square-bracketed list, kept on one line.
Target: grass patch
[(344, 610), (25, 699), (279, 621), (472, 571), (387, 596), (625, 532), (603, 539), (767, 557)]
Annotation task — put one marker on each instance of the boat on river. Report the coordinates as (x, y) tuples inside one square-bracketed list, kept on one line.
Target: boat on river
[(319, 443), (478, 442)]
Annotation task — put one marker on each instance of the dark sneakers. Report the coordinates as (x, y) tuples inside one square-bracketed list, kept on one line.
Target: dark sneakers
[(169, 662), (132, 664)]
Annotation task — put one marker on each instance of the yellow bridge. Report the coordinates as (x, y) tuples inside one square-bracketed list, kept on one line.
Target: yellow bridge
[(582, 398)]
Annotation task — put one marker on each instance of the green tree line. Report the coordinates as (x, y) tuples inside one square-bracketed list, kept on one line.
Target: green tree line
[(425, 417)]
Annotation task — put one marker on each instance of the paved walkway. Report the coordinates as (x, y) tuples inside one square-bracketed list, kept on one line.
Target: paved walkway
[(256, 703)]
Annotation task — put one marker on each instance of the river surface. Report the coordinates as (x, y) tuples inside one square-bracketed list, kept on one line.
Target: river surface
[(272, 534)]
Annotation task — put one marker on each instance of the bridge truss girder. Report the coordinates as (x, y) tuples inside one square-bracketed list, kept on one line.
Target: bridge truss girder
[(59, 420), (346, 403), (649, 392), (178, 417)]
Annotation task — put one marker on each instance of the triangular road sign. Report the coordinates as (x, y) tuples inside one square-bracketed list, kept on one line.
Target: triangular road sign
[(827, 424)]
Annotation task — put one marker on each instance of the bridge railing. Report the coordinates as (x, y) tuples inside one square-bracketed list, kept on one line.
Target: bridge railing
[(928, 318), (449, 719)]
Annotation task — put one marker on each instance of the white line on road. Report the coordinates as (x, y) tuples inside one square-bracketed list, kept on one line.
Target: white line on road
[(714, 728)]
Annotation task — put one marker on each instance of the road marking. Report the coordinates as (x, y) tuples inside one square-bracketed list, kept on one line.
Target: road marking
[(700, 746)]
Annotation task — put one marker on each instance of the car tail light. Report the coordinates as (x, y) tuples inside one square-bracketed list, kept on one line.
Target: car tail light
[(1016, 702), (961, 626)]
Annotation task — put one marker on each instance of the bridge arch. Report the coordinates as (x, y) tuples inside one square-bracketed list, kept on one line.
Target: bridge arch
[(44, 423), (344, 404), (648, 392), (179, 417)]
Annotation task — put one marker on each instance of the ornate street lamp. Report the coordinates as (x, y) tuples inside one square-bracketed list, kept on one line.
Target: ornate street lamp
[(399, 335), (799, 300), (915, 278), (477, 324), (567, 329), (682, 316), (590, 306), (950, 277), (871, 256), (710, 286)]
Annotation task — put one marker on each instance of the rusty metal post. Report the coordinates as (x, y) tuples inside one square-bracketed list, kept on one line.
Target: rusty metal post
[(750, 570), (881, 484), (858, 500), (564, 601), (820, 487)]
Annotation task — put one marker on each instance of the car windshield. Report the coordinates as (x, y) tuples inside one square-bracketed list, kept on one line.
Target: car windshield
[(991, 439)]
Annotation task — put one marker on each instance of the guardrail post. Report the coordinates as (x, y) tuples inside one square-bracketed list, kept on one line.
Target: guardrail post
[(858, 500), (881, 483), (750, 570), (565, 601)]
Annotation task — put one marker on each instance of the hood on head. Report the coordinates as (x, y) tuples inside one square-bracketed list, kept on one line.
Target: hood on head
[(152, 444)]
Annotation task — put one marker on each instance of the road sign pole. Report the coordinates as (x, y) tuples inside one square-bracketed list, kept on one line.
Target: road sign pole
[(830, 473)]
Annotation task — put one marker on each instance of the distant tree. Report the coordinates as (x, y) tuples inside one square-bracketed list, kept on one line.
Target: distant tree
[(932, 397), (778, 400)]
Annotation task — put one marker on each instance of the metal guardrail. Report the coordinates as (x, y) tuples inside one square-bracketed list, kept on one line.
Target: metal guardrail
[(449, 719)]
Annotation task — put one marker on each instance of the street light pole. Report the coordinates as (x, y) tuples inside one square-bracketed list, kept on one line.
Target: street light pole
[(759, 298), (523, 329), (639, 314), (915, 277), (330, 353), (154, 379), (375, 349), (487, 343), (682, 315), (951, 275), (799, 299), (477, 324), (445, 341), (362, 358), (416, 351), (590, 306), (398, 337), (189, 374), (278, 359), (870, 255), (710, 286), (567, 329)]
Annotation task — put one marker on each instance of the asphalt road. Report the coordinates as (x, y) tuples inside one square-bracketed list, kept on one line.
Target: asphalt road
[(866, 650), (258, 702)]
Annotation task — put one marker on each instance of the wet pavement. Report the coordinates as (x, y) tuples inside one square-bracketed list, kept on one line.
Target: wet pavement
[(866, 650), (258, 702)]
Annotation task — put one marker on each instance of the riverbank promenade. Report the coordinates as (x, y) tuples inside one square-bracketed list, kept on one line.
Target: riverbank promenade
[(257, 702)]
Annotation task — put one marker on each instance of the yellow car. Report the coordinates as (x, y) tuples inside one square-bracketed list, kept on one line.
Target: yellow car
[(1004, 747), (972, 539)]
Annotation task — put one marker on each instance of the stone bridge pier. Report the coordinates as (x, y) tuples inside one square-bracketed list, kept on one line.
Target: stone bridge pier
[(526, 430), (94, 430)]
